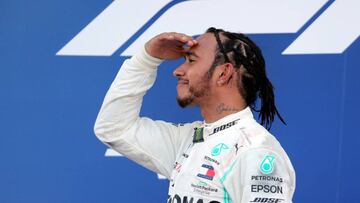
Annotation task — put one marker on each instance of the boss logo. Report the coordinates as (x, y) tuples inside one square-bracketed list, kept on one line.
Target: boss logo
[(223, 127), (267, 200)]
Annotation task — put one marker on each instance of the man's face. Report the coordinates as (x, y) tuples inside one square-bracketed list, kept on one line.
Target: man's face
[(194, 82)]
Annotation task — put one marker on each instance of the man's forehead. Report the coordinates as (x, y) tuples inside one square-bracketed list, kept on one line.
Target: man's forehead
[(206, 44), (206, 38)]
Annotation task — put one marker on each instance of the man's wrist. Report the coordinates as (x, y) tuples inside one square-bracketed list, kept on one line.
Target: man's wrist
[(153, 59), (147, 60)]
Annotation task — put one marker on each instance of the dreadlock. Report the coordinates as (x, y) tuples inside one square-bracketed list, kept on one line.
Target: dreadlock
[(244, 54)]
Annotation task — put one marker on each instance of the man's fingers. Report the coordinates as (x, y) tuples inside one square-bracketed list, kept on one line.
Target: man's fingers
[(185, 39), (169, 45), (191, 43)]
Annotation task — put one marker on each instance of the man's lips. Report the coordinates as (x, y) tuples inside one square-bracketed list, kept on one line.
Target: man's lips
[(183, 82)]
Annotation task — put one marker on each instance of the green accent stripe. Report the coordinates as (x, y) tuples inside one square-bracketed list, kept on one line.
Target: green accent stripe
[(222, 179), (227, 198)]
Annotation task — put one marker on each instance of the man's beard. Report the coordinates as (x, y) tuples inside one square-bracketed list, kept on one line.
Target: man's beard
[(194, 93)]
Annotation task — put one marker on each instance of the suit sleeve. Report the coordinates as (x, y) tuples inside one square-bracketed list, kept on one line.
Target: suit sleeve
[(152, 144), (260, 175)]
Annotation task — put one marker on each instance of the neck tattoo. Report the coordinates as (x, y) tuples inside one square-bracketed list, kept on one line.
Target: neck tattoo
[(224, 108)]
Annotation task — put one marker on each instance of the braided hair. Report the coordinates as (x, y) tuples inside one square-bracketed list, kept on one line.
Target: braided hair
[(244, 54)]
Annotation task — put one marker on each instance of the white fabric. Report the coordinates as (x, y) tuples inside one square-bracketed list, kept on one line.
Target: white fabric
[(225, 167)]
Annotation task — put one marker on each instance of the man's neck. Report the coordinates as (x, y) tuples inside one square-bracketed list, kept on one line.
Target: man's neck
[(213, 111)]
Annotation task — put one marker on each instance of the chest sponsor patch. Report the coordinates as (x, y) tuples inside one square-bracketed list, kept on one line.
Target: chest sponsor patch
[(203, 188), (206, 172), (217, 149), (207, 158), (187, 199)]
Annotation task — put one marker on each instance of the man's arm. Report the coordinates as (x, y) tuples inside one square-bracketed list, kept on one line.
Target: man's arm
[(153, 144)]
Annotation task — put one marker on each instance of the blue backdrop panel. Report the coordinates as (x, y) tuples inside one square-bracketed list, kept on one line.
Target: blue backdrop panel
[(49, 104)]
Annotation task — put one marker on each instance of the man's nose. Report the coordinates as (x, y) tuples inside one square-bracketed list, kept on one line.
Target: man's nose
[(179, 71)]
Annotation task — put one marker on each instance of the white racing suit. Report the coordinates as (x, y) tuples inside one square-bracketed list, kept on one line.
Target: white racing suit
[(231, 160)]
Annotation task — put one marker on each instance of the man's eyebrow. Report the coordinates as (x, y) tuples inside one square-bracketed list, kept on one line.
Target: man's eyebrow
[(190, 53)]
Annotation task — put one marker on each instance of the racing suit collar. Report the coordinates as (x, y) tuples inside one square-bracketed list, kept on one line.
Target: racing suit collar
[(208, 129)]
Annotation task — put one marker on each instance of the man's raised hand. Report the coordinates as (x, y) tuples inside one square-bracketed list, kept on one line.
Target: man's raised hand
[(169, 45)]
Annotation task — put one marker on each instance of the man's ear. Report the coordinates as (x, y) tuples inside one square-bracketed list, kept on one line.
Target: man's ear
[(224, 73)]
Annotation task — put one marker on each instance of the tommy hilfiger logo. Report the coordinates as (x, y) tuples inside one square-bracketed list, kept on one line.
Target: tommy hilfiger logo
[(206, 172)]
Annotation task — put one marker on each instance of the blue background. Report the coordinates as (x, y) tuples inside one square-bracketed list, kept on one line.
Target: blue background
[(49, 104)]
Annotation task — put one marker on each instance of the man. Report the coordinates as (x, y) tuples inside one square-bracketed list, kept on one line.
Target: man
[(227, 158)]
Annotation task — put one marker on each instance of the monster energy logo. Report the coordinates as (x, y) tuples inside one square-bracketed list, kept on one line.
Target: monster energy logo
[(198, 135)]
